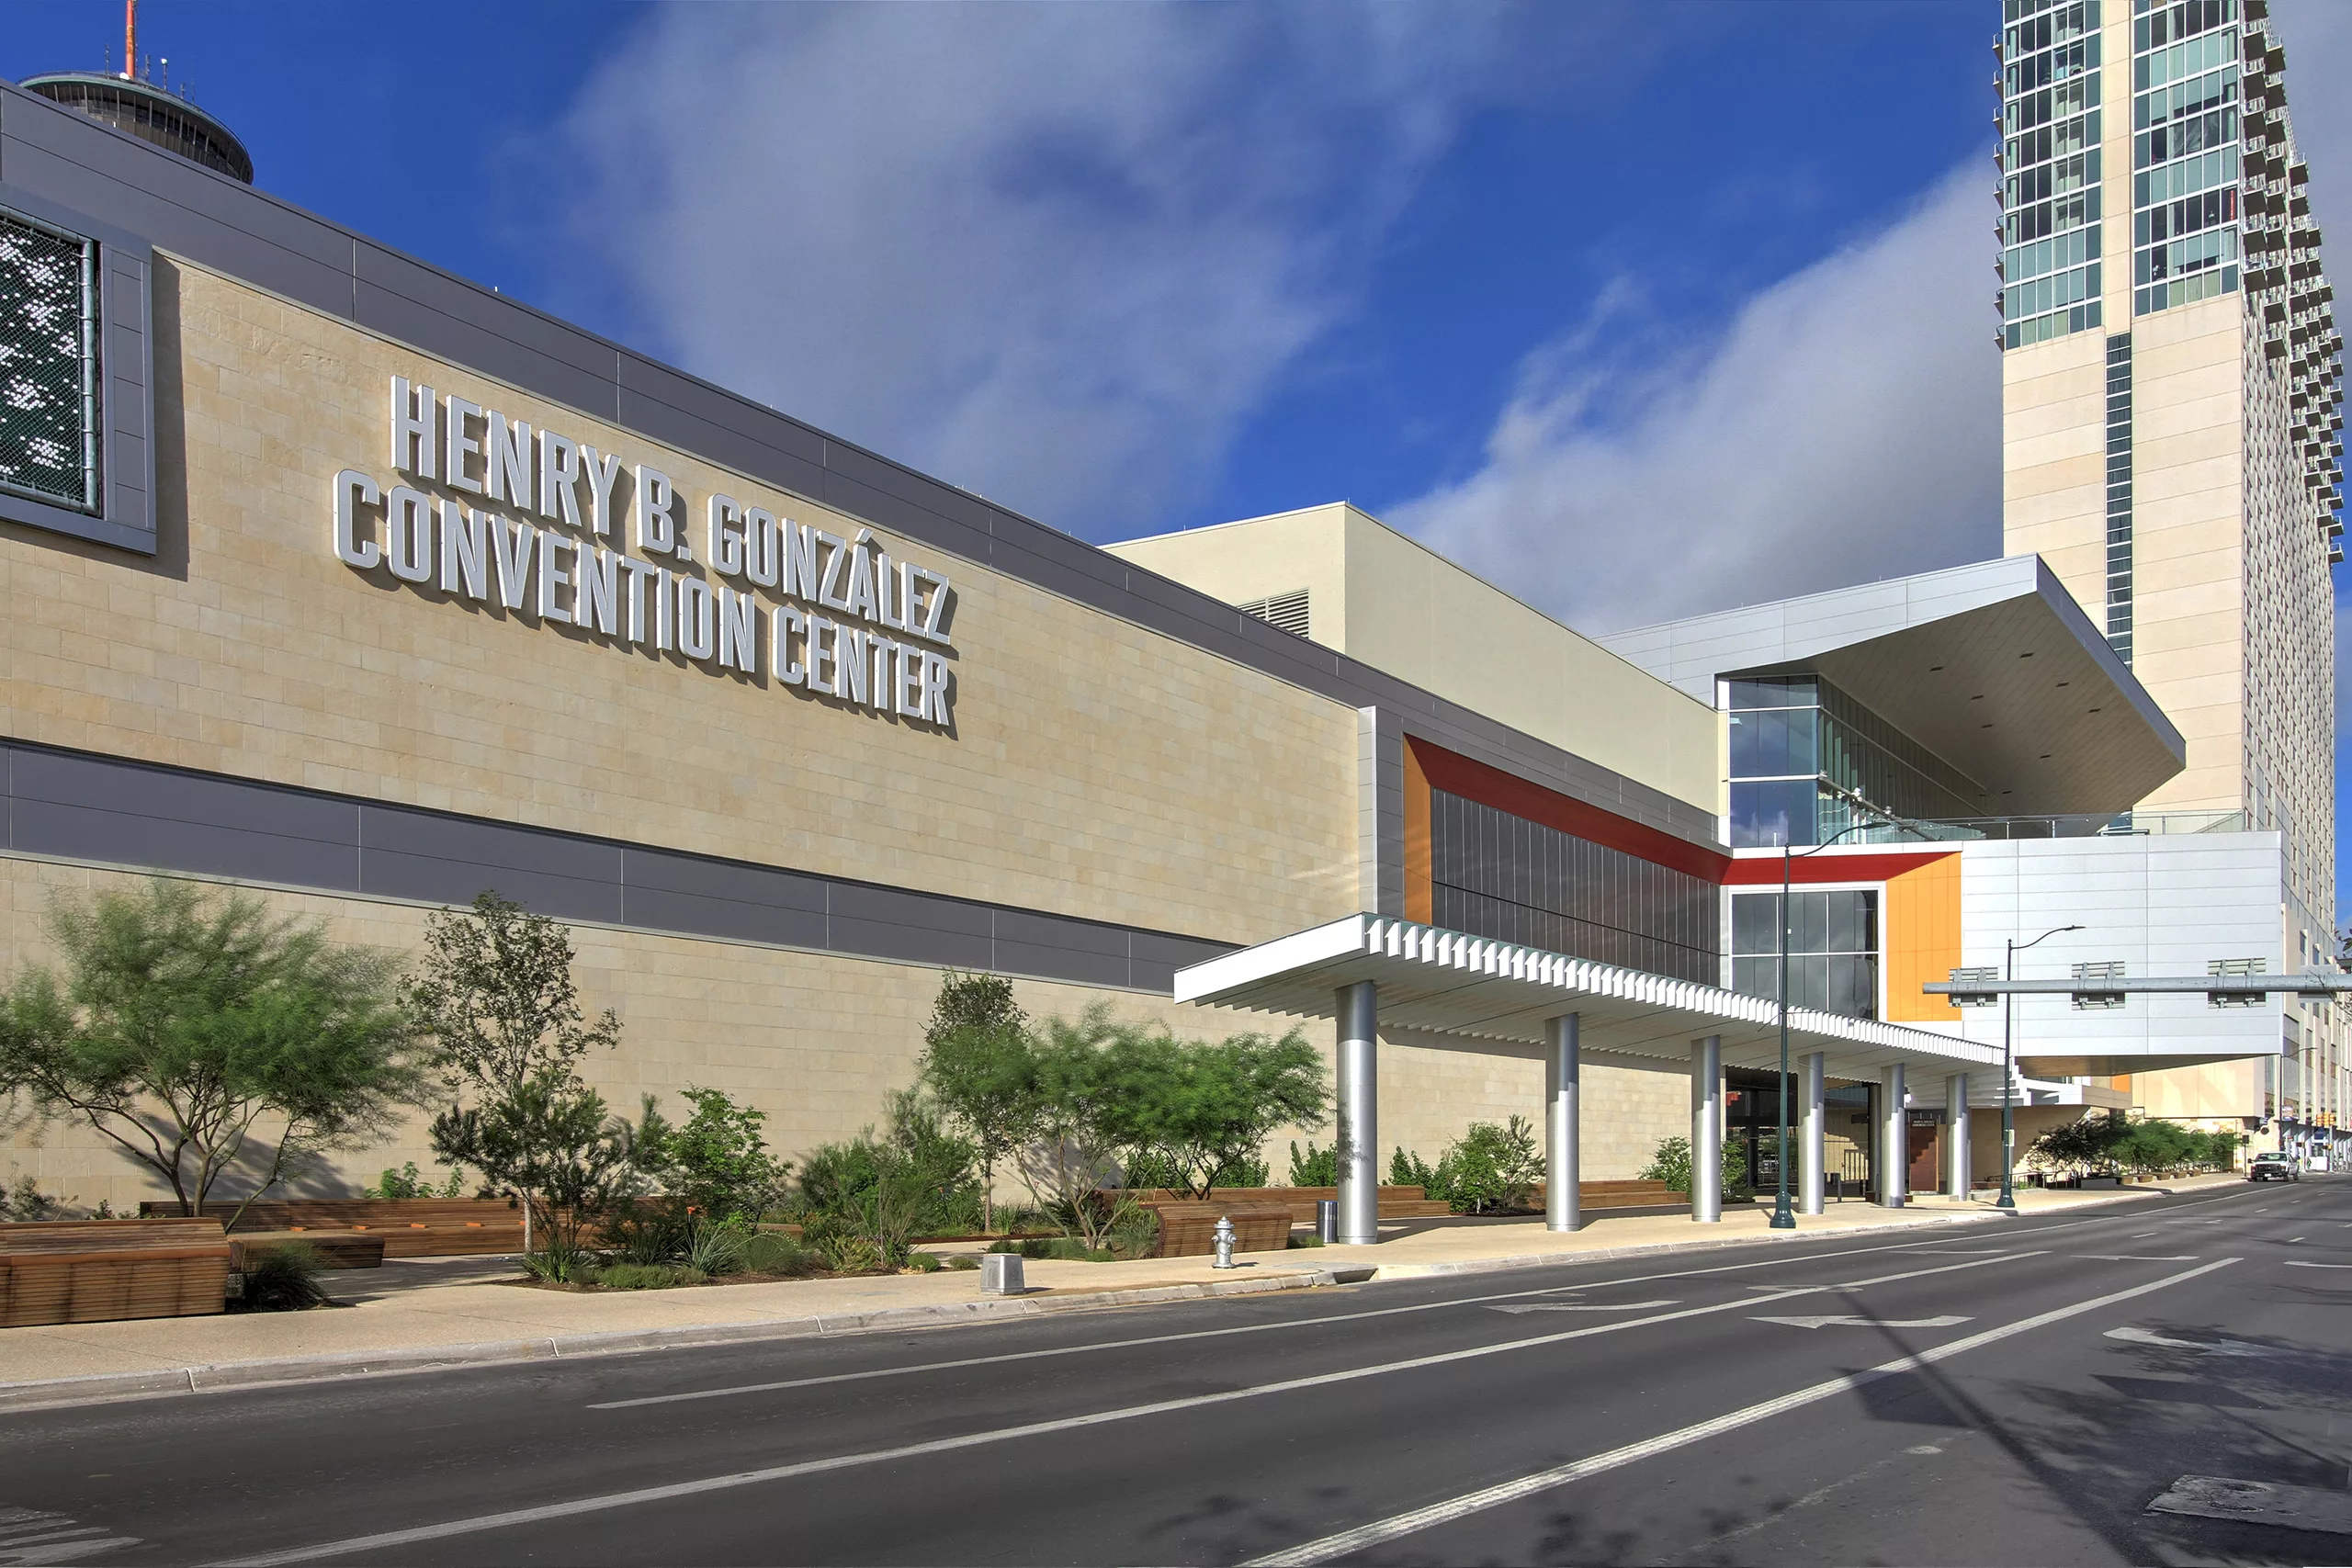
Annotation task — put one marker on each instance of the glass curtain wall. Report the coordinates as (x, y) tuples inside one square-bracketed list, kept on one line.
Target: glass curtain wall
[(2050, 181), (1802, 752), (1833, 949), (1495, 874), (2184, 153)]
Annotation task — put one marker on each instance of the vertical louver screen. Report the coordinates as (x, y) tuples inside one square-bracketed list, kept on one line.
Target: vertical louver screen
[(1287, 611)]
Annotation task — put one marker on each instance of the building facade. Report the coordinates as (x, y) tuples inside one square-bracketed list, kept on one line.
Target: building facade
[(2172, 424)]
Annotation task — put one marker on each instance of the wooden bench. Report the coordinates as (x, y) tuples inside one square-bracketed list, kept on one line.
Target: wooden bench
[(100, 1270), (1395, 1203), (411, 1227), (1188, 1229), (336, 1249), (1619, 1195)]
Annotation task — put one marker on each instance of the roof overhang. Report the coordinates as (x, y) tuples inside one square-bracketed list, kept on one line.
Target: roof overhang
[(1476, 989), (1993, 667)]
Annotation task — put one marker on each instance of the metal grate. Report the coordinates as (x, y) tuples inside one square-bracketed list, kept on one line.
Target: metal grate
[(48, 364), (1289, 612)]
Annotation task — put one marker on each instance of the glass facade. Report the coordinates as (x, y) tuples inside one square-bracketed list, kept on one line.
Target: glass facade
[(2119, 495), (1833, 949), (1495, 874), (2184, 152), (1804, 753), (2050, 164)]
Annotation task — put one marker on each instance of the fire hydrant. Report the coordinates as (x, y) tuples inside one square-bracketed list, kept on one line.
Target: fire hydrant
[(1224, 1243)]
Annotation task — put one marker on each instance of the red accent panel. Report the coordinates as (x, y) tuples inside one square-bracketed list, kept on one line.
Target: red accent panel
[(1457, 774), (1756, 871)]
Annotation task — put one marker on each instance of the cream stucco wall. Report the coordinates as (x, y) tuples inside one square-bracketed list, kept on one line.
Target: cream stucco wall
[(1378, 596)]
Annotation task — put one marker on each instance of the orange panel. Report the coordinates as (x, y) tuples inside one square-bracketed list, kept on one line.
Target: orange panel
[(1420, 903), (1921, 940)]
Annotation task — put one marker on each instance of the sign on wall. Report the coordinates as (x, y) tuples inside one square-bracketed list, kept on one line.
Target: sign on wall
[(547, 529)]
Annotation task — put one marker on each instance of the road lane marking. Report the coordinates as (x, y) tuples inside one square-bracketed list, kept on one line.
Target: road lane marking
[(1866, 1322), (1580, 1306), (30, 1536), (577, 1507), (2291, 1241), (2036, 1230), (2139, 1236), (2217, 1348), (1363, 1536), (2133, 1257), (2299, 1263)]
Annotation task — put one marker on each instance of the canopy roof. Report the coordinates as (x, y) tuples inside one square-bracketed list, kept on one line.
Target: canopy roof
[(1993, 667), (1448, 983)]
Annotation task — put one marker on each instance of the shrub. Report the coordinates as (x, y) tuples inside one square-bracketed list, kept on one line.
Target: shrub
[(560, 1262), (1672, 1163), (717, 1161), (282, 1279), (1407, 1170), (1494, 1167), (773, 1252), (923, 1262), (963, 1260), (24, 1200), (406, 1183), (1142, 1170), (1318, 1168), (980, 1063), (646, 1276), (719, 1247)]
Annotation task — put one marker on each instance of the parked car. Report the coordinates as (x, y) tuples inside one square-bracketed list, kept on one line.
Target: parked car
[(2272, 1167)]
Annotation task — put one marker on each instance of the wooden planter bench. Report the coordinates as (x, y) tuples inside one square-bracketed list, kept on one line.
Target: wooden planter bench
[(99, 1271), (1619, 1195), (336, 1249), (411, 1227), (1395, 1203), (1188, 1229)]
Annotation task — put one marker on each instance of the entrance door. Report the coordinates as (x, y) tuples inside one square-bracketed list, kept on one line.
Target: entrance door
[(1926, 1143)]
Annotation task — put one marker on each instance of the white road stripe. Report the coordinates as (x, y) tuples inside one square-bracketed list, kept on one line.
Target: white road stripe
[(2217, 1348), (1364, 1536), (580, 1506), (958, 1363), (1847, 1322), (2133, 1257), (1580, 1306), (2299, 1263)]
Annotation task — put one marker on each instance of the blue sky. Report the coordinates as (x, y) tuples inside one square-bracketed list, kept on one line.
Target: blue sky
[(1563, 289)]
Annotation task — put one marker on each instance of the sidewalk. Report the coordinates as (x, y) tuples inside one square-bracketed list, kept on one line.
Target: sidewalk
[(441, 1324)]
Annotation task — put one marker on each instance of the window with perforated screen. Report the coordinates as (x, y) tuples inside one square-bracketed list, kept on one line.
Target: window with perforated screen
[(49, 364)]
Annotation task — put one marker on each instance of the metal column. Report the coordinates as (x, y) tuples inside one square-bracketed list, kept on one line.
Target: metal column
[(1893, 1140), (1815, 1156), (1959, 1169), (1707, 1129), (1359, 1133), (1562, 1209)]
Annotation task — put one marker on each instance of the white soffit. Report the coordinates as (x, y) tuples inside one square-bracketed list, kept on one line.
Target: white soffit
[(1993, 667), (1474, 988)]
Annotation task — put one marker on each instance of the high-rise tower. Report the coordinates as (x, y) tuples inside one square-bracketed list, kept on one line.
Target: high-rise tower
[(2172, 425)]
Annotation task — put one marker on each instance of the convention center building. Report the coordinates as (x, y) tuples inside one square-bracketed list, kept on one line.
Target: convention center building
[(334, 577)]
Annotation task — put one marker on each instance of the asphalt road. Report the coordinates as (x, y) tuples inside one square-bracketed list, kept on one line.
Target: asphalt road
[(2017, 1391)]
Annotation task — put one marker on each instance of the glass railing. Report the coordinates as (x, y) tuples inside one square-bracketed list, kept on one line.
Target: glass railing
[(2079, 825)]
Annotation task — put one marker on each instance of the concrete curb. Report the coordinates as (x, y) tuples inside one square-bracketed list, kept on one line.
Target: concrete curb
[(265, 1373)]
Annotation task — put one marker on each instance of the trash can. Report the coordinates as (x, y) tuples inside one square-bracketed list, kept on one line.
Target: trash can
[(1001, 1274), (1326, 1220)]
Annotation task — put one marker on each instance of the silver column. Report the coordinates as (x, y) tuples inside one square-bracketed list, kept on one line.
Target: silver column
[(1816, 1155), (1359, 1134), (1707, 1129), (1960, 1169), (1894, 1140), (1562, 1210)]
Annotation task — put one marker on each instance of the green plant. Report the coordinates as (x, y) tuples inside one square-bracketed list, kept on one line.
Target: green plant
[(1204, 1110), (646, 1276), (559, 1262), (1670, 1163), (717, 1161), (1304, 1238), (647, 1231), (282, 1279), (553, 1140), (923, 1262), (1410, 1170), (406, 1182), (1494, 1167), (1318, 1168), (23, 1200), (496, 997), (979, 1064), (773, 1252), (184, 1019), (963, 1260), (1146, 1170), (719, 1247)]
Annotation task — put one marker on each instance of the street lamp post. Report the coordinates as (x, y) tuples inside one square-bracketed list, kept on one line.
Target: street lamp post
[(1784, 1217), (2009, 1200)]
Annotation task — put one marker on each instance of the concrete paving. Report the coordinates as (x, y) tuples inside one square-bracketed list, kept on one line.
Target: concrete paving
[(396, 1325)]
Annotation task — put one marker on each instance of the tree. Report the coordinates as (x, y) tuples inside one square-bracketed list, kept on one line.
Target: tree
[(553, 1139), (496, 997), (1209, 1108), (185, 1019), (716, 1162), (980, 1064), (1087, 1073)]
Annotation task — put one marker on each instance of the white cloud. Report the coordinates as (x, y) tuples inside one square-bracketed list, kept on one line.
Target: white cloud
[(1844, 426), (1055, 253)]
